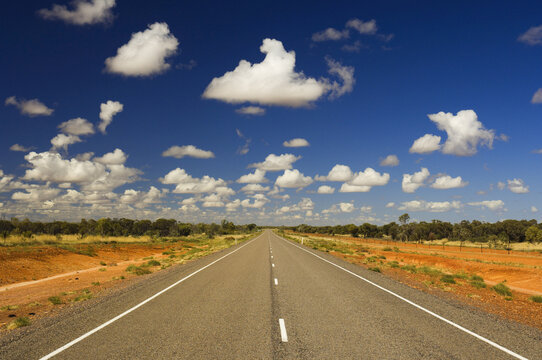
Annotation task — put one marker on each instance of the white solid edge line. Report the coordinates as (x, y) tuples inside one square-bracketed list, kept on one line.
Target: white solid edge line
[(479, 337), (276, 281), (283, 334), (73, 342)]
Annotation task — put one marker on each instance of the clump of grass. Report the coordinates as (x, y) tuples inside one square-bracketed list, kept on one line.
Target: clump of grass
[(102, 269), (153, 263), (86, 295), (536, 298), (394, 264), (148, 258), (461, 276), (396, 249), (502, 289), (19, 322), (447, 278), (172, 256), (476, 278), (410, 268), (9, 307), (478, 284), (387, 248), (97, 283), (382, 257), (169, 252), (371, 259), (55, 300), (375, 269), (429, 271), (103, 263), (138, 270)]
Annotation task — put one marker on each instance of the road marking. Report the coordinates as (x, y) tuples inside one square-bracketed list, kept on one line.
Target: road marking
[(271, 256), (273, 265), (276, 281), (479, 337), (283, 334), (73, 342)]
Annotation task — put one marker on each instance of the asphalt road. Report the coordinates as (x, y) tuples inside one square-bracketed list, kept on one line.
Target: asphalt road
[(270, 298)]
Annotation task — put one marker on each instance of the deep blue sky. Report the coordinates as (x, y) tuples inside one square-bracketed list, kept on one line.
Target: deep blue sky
[(444, 56)]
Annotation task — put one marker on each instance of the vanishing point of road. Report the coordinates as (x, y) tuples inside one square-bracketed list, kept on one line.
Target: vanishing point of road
[(271, 298)]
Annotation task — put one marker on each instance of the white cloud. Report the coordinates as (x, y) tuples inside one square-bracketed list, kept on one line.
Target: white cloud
[(494, 205), (330, 34), (258, 176), (391, 204), (363, 27), (348, 188), (254, 188), (337, 173), (17, 147), (117, 157), (517, 186), (188, 150), (107, 111), (274, 81), (31, 108), (366, 209), (36, 195), (411, 183), (426, 144), (324, 189), (63, 141), (212, 200), (293, 179), (341, 207), (77, 127), (390, 160), (141, 199), (259, 201), (297, 142), (233, 205), (345, 73), (306, 204), (537, 151), (276, 162), (145, 53), (84, 12), (534, 209), (369, 177), (537, 97), (251, 110), (447, 182), (430, 206), (533, 36), (186, 184), (464, 131)]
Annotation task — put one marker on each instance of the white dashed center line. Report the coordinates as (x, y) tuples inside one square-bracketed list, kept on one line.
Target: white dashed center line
[(273, 265), (276, 281), (283, 334)]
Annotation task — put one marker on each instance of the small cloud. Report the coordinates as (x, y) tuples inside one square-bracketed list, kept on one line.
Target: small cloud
[(83, 12), (413, 182), (107, 111), (297, 142), (532, 37), (258, 176), (517, 186), (324, 189), (179, 152), (276, 162), (534, 209), (188, 66), (355, 47), (537, 97), (17, 147), (293, 179), (447, 182), (391, 204), (30, 108), (251, 110), (330, 34), (537, 151), (63, 141), (426, 144), (390, 160), (494, 205), (77, 126), (363, 27), (245, 148)]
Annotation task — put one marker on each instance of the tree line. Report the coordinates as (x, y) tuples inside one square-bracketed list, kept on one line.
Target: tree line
[(119, 227), (500, 232)]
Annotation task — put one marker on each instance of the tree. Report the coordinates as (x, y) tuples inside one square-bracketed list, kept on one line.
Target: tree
[(533, 234), (404, 219)]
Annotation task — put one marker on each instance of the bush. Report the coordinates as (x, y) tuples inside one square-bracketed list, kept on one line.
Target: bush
[(138, 270), (55, 300), (394, 264), (19, 322), (478, 284), (502, 289), (536, 298), (410, 268), (429, 271), (446, 278), (153, 263), (476, 278), (375, 269), (387, 248)]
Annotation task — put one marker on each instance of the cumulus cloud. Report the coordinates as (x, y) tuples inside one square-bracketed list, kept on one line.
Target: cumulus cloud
[(430, 206), (370, 177), (349, 188), (246, 147), (251, 110), (537, 97), (17, 147), (107, 111), (366, 209), (275, 82), (259, 202), (186, 184), (276, 162), (363, 27), (306, 204), (391, 204), (413, 182), (534, 209), (82, 13), (36, 194), (324, 189), (447, 182), (254, 188), (464, 132), (330, 34), (390, 160), (337, 173), (494, 205), (517, 186), (117, 157), (77, 127), (146, 52), (293, 179), (297, 142), (338, 208), (426, 144), (188, 150), (141, 199), (533, 36), (63, 141), (30, 108), (258, 176), (345, 73)]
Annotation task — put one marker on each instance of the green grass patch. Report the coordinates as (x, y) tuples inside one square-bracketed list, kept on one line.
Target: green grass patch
[(9, 308), (375, 269), (85, 295), (138, 270), (429, 271), (476, 278), (410, 268), (393, 264), (55, 300), (478, 284), (153, 263), (103, 263), (19, 322), (387, 248), (448, 279), (97, 283), (102, 269), (536, 299), (502, 289)]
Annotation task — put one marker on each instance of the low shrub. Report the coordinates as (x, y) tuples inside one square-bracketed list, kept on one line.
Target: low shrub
[(394, 264), (55, 300), (448, 279), (502, 289), (478, 284), (375, 269), (154, 263), (19, 322), (429, 271), (476, 278), (536, 298), (410, 268), (387, 248)]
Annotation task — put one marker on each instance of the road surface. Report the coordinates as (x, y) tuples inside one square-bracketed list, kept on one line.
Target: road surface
[(270, 298)]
